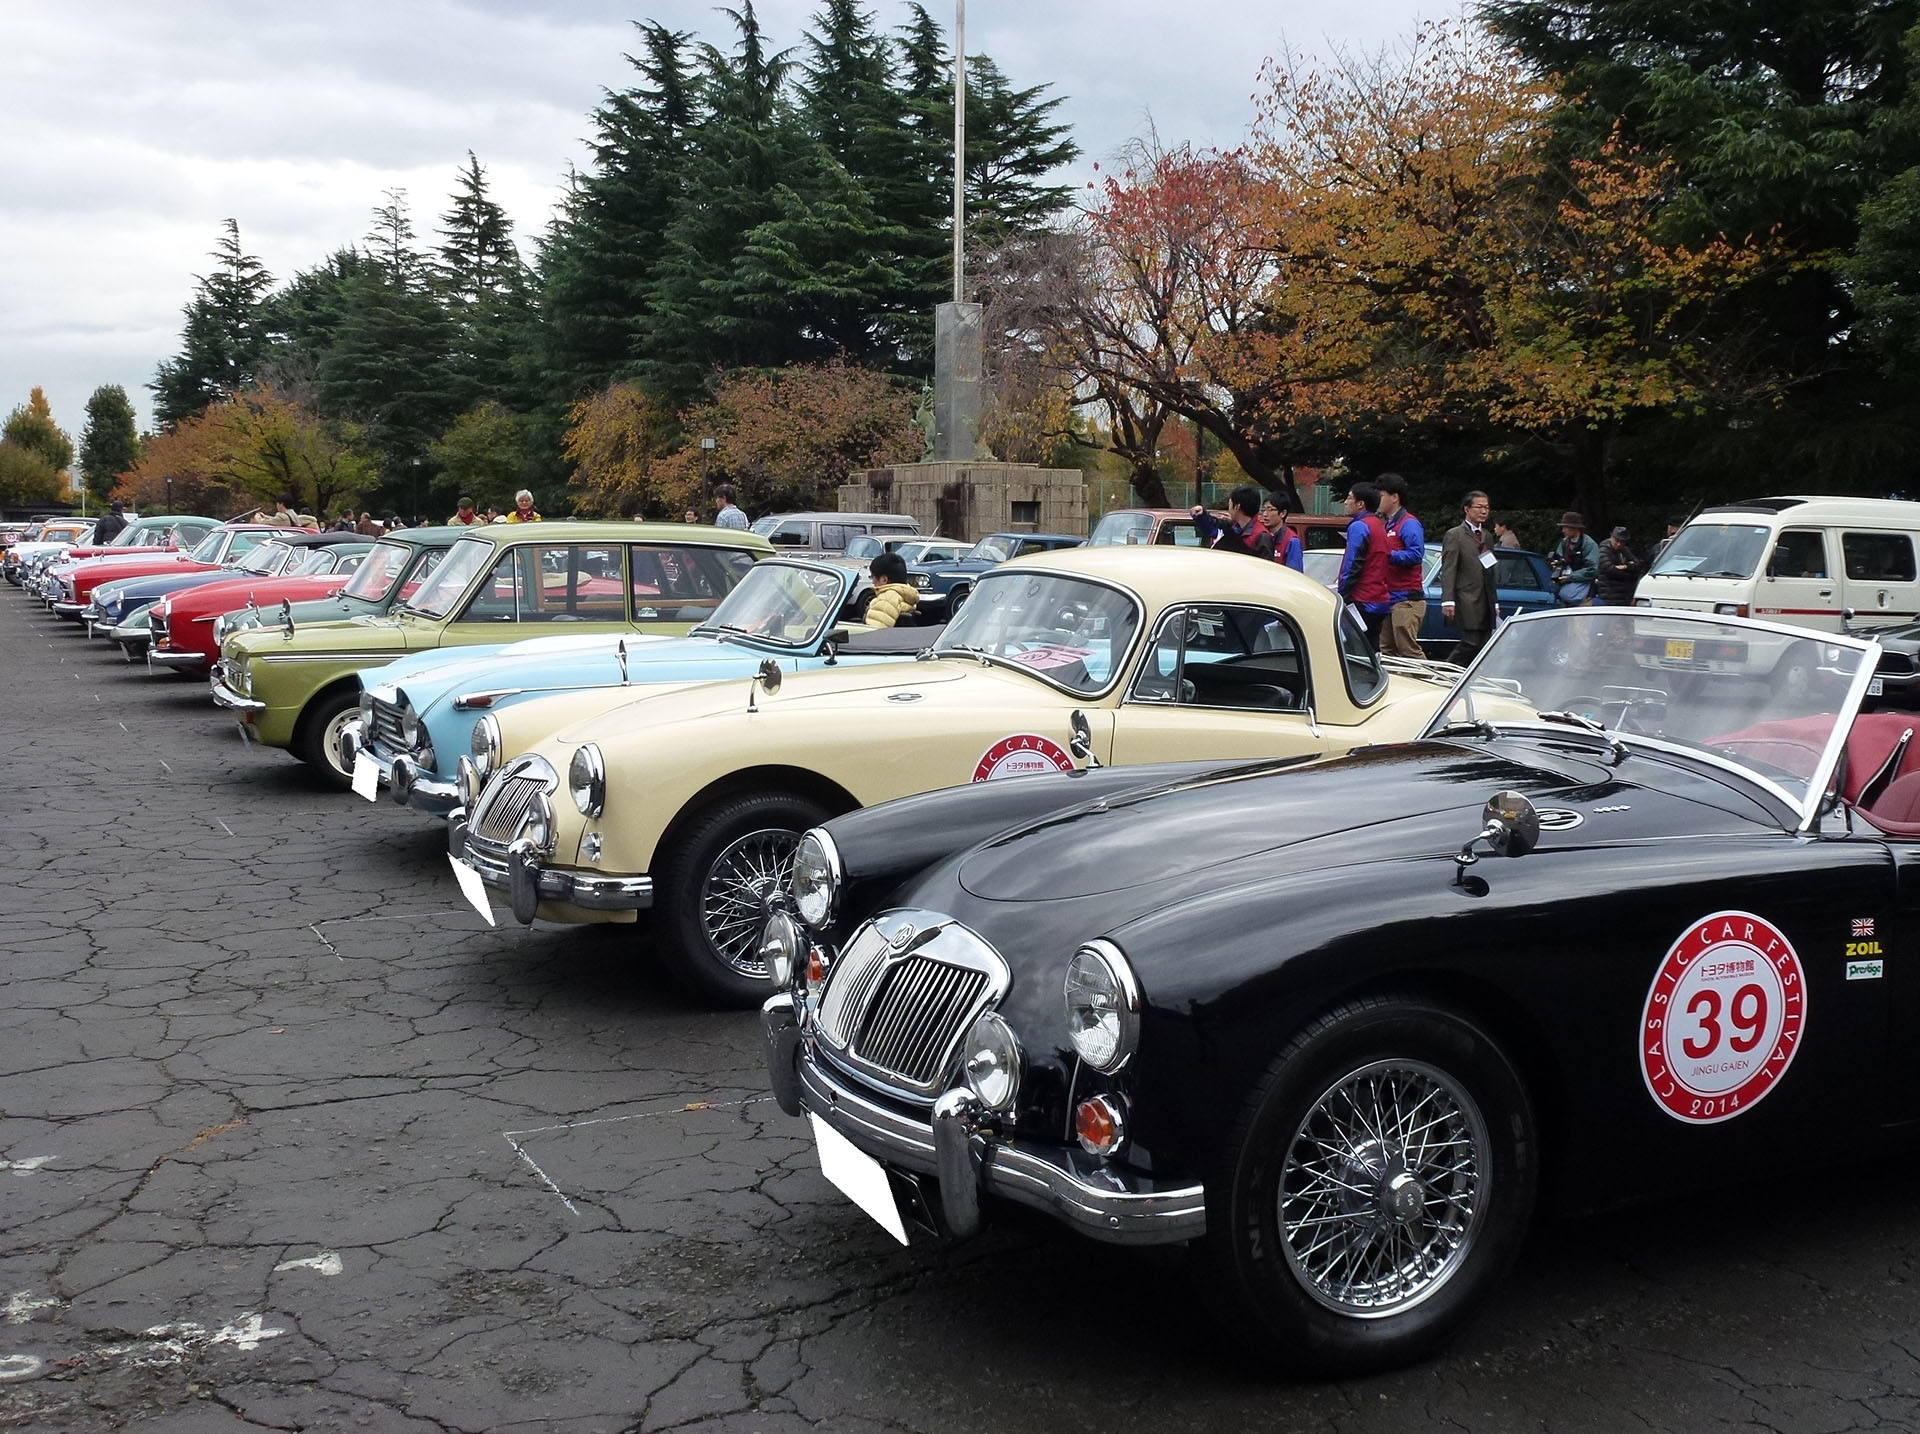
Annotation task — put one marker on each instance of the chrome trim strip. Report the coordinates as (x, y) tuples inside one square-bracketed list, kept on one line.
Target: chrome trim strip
[(1091, 1196)]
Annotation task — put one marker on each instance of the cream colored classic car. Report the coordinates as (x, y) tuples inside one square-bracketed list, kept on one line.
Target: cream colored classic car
[(690, 801)]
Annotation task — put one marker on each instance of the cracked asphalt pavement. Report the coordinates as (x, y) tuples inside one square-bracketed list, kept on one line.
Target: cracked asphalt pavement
[(290, 1139)]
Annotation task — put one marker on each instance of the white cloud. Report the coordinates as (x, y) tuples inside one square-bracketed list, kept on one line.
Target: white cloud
[(133, 130)]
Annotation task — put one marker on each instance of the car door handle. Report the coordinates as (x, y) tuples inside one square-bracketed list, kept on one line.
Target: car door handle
[(1826, 592)]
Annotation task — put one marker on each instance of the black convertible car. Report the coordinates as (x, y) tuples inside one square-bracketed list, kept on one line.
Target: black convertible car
[(1317, 1019)]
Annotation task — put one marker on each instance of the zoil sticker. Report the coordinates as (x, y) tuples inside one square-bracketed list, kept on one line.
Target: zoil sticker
[(1723, 1018), (1022, 755)]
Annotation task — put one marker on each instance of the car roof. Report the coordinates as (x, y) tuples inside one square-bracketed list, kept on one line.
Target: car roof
[(588, 530), (1163, 576), (1813, 508), (1041, 537)]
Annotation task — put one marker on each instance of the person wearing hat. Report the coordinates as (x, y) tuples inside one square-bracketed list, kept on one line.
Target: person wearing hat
[(1619, 571), (1576, 562), (464, 516), (111, 526)]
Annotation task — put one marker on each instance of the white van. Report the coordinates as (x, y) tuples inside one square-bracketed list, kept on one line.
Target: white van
[(1801, 561)]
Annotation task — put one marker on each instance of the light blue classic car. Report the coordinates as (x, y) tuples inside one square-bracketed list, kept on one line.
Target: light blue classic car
[(421, 716)]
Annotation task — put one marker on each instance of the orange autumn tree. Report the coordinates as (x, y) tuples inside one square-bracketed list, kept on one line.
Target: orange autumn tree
[(616, 440), (248, 450), (1433, 264)]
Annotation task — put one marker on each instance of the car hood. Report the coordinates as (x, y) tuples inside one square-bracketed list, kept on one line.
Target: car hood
[(430, 675), (225, 594), (861, 692), (148, 586), (1166, 844)]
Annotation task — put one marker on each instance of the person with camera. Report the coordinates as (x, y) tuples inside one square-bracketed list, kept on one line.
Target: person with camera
[(1576, 563)]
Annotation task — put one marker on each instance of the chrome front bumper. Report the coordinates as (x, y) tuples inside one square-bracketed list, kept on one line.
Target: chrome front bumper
[(141, 635), (184, 661), (402, 776), (528, 883), (225, 696), (955, 1146), (71, 610)]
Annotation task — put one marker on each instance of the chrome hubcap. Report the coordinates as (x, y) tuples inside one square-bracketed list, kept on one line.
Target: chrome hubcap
[(1382, 1188), (330, 742), (733, 900)]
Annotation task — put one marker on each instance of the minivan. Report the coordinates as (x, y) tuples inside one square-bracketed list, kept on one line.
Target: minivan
[(830, 532)]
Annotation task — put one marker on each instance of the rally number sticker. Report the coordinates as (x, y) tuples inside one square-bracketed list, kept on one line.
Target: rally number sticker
[(1022, 755), (1723, 1018)]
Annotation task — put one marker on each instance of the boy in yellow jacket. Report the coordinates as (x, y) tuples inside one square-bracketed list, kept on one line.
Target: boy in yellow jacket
[(893, 595)]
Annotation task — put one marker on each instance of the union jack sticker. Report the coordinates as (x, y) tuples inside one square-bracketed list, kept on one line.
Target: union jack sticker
[(1862, 926)]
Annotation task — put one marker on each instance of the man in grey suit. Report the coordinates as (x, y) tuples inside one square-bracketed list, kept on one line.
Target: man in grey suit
[(1468, 590)]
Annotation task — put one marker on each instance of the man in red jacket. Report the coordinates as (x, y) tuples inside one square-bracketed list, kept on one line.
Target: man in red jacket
[(1364, 571)]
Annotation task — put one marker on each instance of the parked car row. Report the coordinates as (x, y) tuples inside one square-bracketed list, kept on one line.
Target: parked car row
[(1144, 893)]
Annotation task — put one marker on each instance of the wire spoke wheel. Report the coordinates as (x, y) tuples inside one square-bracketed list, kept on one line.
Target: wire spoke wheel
[(733, 898), (1382, 1187)]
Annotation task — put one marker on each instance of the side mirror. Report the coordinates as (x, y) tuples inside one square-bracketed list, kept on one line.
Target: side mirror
[(286, 616), (770, 676), (1846, 620), (1509, 826), (1080, 743)]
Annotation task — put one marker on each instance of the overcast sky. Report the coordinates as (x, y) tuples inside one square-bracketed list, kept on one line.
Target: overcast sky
[(130, 130)]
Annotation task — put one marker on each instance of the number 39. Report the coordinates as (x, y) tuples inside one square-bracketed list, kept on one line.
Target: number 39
[(1747, 1014)]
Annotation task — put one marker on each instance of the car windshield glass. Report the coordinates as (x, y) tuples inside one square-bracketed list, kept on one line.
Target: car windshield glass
[(996, 549), (1067, 631), (779, 603), (441, 591), (315, 560), (209, 549), (1714, 549), (264, 559), (766, 525), (376, 575), (1768, 700), (1121, 529)]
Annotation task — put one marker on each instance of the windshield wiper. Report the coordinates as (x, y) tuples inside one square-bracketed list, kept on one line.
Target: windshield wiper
[(1468, 726), (971, 649), (1576, 719), (1719, 573)]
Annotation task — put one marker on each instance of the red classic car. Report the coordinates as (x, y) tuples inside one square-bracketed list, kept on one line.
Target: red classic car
[(171, 533), (183, 622), (74, 583)]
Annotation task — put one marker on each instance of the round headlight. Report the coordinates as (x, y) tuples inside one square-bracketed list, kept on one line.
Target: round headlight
[(409, 722), (243, 674), (587, 780), (816, 878), (366, 710), (539, 824), (466, 782), (779, 944), (990, 1061), (1103, 1006), (485, 744)]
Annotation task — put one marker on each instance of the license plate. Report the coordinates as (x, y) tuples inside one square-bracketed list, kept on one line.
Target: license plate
[(1680, 649), (366, 777), (1874, 688), (858, 1176), (472, 887)]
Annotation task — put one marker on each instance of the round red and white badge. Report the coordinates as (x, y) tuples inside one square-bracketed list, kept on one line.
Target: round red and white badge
[(1022, 755), (1723, 1018)]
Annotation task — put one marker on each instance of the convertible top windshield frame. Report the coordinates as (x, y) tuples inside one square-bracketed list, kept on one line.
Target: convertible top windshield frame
[(845, 577), (1806, 809)]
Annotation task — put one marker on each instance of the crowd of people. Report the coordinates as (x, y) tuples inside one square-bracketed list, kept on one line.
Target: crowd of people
[(1383, 564)]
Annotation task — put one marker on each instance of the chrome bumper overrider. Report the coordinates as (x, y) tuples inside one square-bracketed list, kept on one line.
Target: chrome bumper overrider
[(225, 696), (413, 788), (1094, 1198), (177, 659), (528, 883)]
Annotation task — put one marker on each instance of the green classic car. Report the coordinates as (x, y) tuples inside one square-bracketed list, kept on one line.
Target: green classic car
[(294, 686)]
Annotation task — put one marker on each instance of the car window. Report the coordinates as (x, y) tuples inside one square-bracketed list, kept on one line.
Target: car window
[(1799, 553), (1215, 655), (418, 577), (314, 560), (1713, 549), (865, 547), (1121, 530), (1178, 533), (1878, 557), (995, 549), (780, 602), (1366, 678), (347, 562), (684, 584), (266, 558), (208, 550), (245, 542), (790, 535), (833, 536), (375, 576), (1516, 570), (467, 559), (1430, 568), (571, 582)]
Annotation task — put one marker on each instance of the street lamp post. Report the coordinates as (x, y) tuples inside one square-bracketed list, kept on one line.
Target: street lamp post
[(169, 493), (706, 461)]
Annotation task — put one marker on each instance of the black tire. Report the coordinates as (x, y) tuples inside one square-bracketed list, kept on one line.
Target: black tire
[(723, 865), (1270, 1273), (316, 740), (957, 599)]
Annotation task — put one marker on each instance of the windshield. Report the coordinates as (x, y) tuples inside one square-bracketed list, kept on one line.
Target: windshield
[(375, 577), (1769, 700), (314, 560), (440, 592), (779, 603), (1121, 530), (209, 549), (265, 559), (766, 525), (1067, 631), (996, 549), (1709, 549)]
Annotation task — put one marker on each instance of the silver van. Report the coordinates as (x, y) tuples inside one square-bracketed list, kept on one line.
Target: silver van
[(831, 532)]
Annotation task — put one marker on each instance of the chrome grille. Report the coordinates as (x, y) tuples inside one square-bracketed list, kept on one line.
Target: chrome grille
[(158, 620), (384, 730), (505, 809), (901, 995), (916, 1017)]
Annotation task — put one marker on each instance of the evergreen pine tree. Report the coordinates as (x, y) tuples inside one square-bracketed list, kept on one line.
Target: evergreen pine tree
[(110, 443), (483, 284), (224, 337)]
